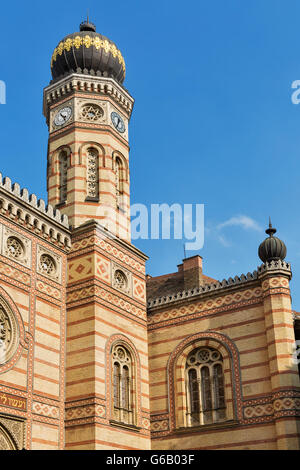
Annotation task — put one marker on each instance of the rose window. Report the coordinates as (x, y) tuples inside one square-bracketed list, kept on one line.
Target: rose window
[(14, 247), (47, 264), (120, 280), (91, 112), (8, 333)]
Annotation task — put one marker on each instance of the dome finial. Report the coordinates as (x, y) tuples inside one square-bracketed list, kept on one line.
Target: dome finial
[(272, 248), (86, 25), (270, 231)]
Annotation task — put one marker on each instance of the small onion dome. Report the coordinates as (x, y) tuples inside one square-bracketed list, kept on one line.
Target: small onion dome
[(271, 248), (87, 52)]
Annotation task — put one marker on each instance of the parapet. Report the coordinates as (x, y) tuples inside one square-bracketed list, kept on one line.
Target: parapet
[(28, 210)]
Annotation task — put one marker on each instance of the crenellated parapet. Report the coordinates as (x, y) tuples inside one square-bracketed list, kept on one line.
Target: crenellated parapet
[(271, 267), (28, 211), (207, 288), (275, 266)]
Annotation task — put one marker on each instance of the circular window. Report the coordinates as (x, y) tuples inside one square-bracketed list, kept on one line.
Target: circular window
[(14, 247), (120, 280), (9, 336), (47, 265), (91, 112)]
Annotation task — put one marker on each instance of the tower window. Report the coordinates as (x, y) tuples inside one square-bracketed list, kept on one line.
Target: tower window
[(63, 175), (92, 174), (118, 184), (205, 387), (122, 385)]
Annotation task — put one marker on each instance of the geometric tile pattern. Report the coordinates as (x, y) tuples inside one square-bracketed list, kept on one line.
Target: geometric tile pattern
[(139, 289), (197, 307), (49, 290), (102, 268), (79, 269), (278, 407), (45, 409), (14, 273), (95, 240), (85, 411), (80, 294), (160, 425)]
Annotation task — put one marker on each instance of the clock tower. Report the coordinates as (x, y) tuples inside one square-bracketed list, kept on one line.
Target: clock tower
[(87, 111)]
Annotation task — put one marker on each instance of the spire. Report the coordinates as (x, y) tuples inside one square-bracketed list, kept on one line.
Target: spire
[(270, 231), (86, 25)]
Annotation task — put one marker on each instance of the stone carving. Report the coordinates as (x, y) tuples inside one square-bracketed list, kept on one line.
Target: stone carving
[(11, 434)]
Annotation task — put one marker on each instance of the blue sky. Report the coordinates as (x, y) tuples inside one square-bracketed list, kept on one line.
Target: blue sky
[(213, 121)]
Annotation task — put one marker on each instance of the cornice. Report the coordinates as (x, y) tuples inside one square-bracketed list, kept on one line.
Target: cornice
[(88, 84)]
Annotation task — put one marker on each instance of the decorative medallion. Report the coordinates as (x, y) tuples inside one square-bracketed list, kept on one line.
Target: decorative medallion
[(91, 112)]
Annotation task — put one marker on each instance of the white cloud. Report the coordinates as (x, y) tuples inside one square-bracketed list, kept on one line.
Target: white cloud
[(247, 223), (223, 241)]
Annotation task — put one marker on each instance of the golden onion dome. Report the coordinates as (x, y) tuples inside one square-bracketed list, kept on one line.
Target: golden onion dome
[(89, 53)]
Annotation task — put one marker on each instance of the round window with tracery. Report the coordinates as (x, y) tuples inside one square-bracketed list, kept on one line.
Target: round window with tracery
[(91, 112), (47, 265), (14, 247), (9, 336), (120, 280)]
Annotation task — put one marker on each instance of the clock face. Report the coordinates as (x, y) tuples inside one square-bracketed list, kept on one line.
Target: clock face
[(62, 116), (117, 122)]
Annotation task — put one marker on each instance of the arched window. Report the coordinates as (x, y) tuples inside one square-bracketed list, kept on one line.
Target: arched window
[(123, 405), (63, 176), (205, 387), (118, 182), (92, 174)]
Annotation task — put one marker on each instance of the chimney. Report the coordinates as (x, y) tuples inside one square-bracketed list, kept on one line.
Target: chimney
[(192, 272)]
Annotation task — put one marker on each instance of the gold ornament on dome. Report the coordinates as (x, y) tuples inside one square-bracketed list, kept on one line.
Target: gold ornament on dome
[(68, 44), (87, 42), (77, 42)]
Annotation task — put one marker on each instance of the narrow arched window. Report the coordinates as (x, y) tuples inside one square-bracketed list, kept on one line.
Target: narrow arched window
[(205, 387), (92, 174), (118, 182), (122, 385), (63, 176)]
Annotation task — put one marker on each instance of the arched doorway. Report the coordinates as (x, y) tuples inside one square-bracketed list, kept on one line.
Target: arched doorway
[(6, 441)]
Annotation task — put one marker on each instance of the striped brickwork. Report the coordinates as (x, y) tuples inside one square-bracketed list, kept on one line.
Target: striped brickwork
[(99, 315), (251, 325), (32, 381)]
